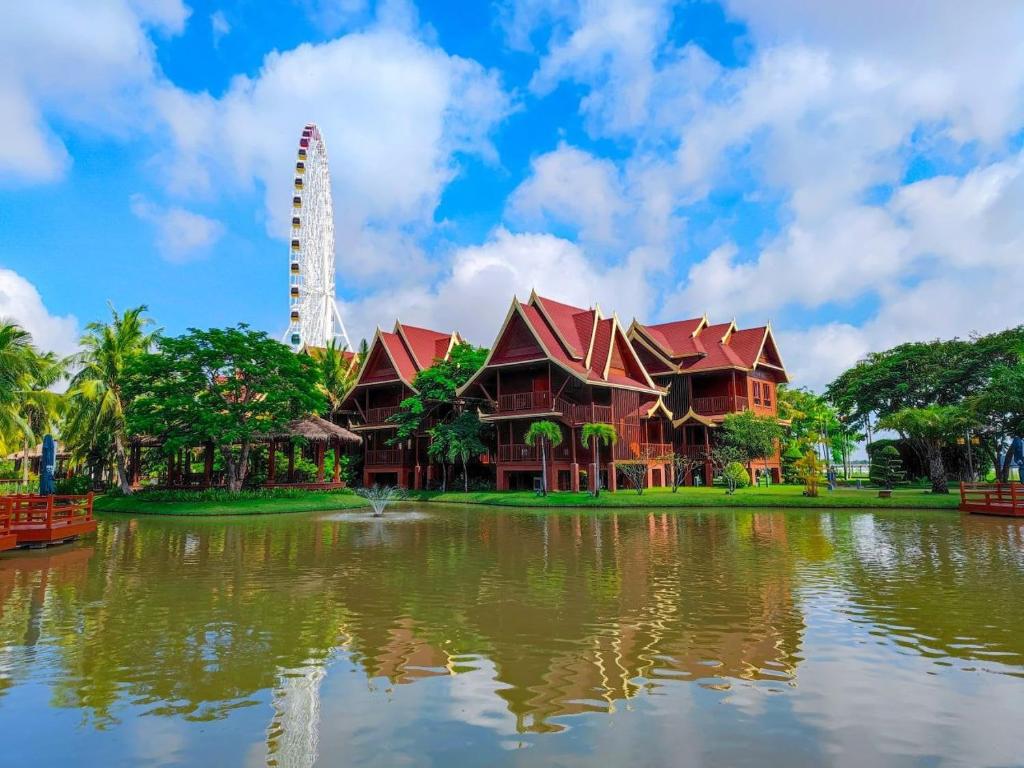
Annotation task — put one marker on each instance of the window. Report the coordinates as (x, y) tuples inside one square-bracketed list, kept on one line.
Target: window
[(757, 393), (767, 395)]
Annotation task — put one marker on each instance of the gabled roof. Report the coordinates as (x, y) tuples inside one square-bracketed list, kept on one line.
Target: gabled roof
[(581, 341), (695, 345), (409, 349)]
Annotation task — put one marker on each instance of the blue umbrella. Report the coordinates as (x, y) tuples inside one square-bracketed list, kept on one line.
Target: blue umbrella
[(46, 467)]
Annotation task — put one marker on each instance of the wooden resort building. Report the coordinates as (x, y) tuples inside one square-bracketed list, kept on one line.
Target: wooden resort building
[(571, 366), (707, 372), (386, 378)]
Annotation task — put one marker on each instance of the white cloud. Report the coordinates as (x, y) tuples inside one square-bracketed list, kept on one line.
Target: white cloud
[(474, 294), (571, 186), (612, 46), (219, 26), (20, 301), (395, 113), (180, 235), (84, 63), (831, 107)]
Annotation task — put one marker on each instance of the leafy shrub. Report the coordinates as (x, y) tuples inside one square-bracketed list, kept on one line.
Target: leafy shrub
[(736, 475), (76, 485), (222, 494)]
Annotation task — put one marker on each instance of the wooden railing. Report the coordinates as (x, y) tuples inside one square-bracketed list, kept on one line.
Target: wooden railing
[(577, 413), (380, 415), (650, 450), (713, 406), (522, 452), (992, 498), (31, 511), (524, 401), (384, 457)]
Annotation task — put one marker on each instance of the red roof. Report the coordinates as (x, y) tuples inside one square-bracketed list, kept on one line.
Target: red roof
[(693, 345), (412, 350), (425, 345), (678, 338), (568, 335)]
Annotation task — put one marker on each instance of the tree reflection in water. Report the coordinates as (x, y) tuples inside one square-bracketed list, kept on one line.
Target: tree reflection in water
[(570, 613)]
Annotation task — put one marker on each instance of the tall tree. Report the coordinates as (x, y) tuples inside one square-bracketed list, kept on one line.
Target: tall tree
[(338, 373), (545, 434), (930, 427), (594, 435), (38, 406), (458, 440), (96, 393), (436, 389), (998, 411), (18, 360), (752, 436), (226, 386)]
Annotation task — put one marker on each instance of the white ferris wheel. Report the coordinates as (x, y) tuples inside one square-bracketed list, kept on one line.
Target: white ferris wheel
[(315, 319)]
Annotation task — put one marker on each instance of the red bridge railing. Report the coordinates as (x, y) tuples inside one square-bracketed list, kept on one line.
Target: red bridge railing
[(992, 498)]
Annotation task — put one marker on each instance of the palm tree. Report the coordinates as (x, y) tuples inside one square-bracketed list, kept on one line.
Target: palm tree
[(17, 360), (337, 375), (593, 435), (97, 404), (546, 433), (38, 407)]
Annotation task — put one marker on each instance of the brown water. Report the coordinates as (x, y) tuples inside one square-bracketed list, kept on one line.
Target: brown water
[(465, 637)]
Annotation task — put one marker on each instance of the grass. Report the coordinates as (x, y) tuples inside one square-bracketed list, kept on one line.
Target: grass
[(209, 503), (774, 496), (217, 502)]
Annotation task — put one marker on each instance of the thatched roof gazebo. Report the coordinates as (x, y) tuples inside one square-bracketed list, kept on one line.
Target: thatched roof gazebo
[(319, 433)]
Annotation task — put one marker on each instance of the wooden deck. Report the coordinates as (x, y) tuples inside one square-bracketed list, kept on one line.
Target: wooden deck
[(1005, 499), (8, 539), (39, 521)]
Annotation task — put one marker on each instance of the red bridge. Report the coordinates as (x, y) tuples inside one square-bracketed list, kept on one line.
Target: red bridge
[(1005, 499), (38, 521)]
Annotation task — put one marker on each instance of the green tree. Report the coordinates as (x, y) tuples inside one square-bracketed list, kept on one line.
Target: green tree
[(809, 468), (721, 456), (230, 387), (751, 436), (457, 440), (39, 407), (998, 410), (593, 435), (886, 467), (96, 399), (544, 433), (436, 389), (337, 375), (930, 428)]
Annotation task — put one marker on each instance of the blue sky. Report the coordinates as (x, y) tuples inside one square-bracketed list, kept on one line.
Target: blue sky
[(853, 173)]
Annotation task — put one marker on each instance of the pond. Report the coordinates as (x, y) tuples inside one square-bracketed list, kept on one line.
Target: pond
[(483, 637)]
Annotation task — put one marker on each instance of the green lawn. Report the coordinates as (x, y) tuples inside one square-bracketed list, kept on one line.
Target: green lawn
[(245, 504), (775, 496), (263, 503)]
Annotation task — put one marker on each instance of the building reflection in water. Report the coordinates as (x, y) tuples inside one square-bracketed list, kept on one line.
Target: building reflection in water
[(569, 613)]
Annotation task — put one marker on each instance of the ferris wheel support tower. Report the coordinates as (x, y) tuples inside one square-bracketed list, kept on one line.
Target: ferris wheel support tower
[(314, 317)]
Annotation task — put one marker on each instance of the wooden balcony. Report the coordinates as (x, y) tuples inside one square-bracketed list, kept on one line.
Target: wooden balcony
[(43, 520), (576, 414), (385, 457), (518, 402), (375, 417), (520, 452), (718, 405)]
